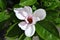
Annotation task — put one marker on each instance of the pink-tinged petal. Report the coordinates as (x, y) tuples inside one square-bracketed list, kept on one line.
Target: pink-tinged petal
[(23, 25), (30, 30), (28, 10), (20, 13), (41, 13), (35, 19)]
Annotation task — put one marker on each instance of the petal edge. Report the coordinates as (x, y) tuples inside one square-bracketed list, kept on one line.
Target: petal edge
[(30, 30), (41, 13), (23, 25)]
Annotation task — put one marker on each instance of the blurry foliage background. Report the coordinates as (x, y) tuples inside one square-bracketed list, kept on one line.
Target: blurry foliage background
[(45, 30)]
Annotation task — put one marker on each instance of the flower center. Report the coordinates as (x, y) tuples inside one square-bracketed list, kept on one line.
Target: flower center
[(29, 19)]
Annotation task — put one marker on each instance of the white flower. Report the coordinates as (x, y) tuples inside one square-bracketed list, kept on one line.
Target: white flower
[(30, 19)]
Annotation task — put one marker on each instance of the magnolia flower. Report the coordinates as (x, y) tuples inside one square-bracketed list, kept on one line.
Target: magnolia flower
[(30, 19)]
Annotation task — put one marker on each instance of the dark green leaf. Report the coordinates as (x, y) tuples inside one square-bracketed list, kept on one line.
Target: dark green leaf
[(52, 15), (2, 4), (4, 16), (11, 27), (58, 25), (13, 31), (21, 37), (51, 4), (57, 20)]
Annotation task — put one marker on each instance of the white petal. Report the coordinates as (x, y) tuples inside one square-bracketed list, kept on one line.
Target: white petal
[(41, 13), (28, 9), (30, 30), (23, 25), (20, 13), (35, 19)]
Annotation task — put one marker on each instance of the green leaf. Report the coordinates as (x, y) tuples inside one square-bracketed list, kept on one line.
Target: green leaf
[(57, 20), (51, 4), (34, 8), (58, 25), (11, 38), (50, 26), (11, 27), (27, 2), (4, 16), (21, 37), (52, 15), (13, 31), (27, 38), (44, 33), (2, 4)]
